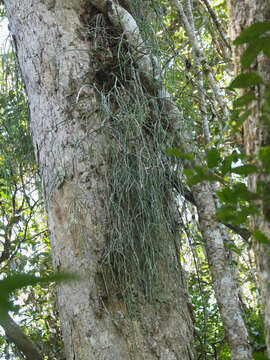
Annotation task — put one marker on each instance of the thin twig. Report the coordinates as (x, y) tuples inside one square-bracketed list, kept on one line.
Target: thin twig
[(216, 22)]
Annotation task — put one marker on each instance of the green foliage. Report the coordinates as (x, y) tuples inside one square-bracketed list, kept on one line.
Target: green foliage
[(236, 199), (14, 282), (260, 237), (257, 42), (255, 326), (258, 356), (246, 80), (209, 332), (213, 158), (252, 33), (244, 169), (244, 99), (253, 50), (236, 193), (230, 168), (198, 174), (179, 154), (264, 156)]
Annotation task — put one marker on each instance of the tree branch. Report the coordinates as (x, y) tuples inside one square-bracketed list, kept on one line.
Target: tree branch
[(197, 49), (216, 22), (16, 335)]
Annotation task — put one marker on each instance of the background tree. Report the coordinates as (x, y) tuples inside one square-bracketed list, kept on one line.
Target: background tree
[(253, 58)]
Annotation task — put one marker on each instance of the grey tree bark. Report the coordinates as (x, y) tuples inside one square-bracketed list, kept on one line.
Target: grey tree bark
[(203, 193), (223, 282), (256, 135), (61, 67), (16, 335)]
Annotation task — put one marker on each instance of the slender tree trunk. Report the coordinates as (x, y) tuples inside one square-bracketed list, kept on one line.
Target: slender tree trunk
[(223, 282), (242, 14), (64, 70)]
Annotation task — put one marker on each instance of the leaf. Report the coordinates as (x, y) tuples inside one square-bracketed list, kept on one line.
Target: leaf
[(260, 237), (233, 248), (201, 171), (266, 47), (241, 216), (244, 99), (253, 50), (194, 180), (239, 192), (243, 193), (246, 80), (226, 165), (226, 212), (237, 156), (259, 356), (252, 32), (198, 174), (244, 169), (14, 220), (188, 172), (199, 178), (267, 94), (264, 156), (251, 53), (177, 153), (11, 95), (227, 195), (19, 280), (266, 104), (213, 158), (239, 121), (264, 118)]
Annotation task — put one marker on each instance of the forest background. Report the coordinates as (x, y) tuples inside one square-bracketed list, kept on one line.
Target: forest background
[(196, 62)]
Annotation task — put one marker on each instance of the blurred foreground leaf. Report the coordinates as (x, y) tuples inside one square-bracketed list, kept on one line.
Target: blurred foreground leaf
[(18, 281)]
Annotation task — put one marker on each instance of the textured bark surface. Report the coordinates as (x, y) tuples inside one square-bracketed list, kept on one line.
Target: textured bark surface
[(223, 282), (242, 14), (58, 63)]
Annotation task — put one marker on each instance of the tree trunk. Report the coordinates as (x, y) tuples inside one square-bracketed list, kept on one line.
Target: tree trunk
[(225, 288), (67, 53), (256, 136), (203, 193)]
